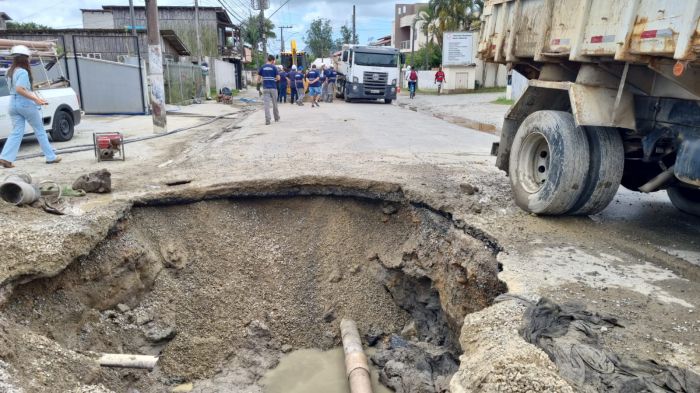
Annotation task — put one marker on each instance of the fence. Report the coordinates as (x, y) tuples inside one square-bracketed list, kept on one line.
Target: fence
[(184, 83)]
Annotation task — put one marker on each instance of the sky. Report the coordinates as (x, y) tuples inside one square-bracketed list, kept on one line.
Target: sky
[(374, 17)]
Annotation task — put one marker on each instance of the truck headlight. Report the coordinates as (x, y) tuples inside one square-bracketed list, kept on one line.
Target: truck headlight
[(355, 79), (393, 82)]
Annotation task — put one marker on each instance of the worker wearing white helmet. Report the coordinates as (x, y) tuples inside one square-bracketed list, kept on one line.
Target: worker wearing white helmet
[(24, 108)]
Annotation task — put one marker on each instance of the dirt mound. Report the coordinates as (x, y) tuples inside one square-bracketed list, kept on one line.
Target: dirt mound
[(218, 285)]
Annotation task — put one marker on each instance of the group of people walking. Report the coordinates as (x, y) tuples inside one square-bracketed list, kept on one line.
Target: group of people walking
[(279, 82)]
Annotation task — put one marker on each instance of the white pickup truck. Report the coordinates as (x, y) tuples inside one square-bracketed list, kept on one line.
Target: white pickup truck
[(61, 115)]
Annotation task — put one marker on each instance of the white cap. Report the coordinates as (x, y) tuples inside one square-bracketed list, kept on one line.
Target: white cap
[(294, 67), (20, 50)]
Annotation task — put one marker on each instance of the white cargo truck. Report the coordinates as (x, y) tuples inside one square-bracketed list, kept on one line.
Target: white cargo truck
[(368, 73), (613, 98)]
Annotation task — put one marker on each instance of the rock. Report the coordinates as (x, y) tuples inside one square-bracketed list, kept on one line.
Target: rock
[(257, 329), (355, 269), (468, 189), (98, 182), (476, 208), (335, 276), (286, 348), (174, 256), (123, 307), (460, 224), (157, 333), (410, 331), (389, 208), (373, 335), (142, 317), (329, 314)]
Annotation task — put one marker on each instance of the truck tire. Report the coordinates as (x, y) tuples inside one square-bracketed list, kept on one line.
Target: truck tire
[(549, 160), (62, 128), (388, 102), (607, 161), (685, 199)]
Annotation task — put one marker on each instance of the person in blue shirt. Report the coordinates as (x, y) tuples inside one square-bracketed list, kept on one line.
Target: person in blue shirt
[(299, 84), (25, 107), (314, 79), (331, 77), (324, 86), (268, 76), (282, 86)]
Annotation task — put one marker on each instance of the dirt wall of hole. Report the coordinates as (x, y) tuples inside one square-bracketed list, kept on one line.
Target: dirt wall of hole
[(190, 282)]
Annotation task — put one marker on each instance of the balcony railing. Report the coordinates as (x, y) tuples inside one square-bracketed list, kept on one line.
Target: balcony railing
[(406, 44)]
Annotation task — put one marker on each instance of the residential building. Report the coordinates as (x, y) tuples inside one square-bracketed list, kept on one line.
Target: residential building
[(3, 20), (406, 27), (219, 37), (104, 44), (382, 41)]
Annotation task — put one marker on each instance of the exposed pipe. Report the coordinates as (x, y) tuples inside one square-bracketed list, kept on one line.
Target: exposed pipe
[(18, 189), (127, 361), (356, 367), (658, 182)]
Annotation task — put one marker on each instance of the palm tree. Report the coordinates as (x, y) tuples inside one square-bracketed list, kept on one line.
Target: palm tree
[(250, 32), (455, 15), (427, 17)]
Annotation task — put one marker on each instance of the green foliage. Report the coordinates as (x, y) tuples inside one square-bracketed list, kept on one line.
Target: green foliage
[(426, 58), (251, 35), (319, 37), (503, 101), (455, 15), (25, 26), (207, 37)]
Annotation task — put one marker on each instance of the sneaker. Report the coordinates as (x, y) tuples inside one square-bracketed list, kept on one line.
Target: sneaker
[(277, 119), (267, 122), (6, 164), (55, 160)]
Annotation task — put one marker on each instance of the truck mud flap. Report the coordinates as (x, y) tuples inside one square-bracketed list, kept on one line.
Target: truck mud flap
[(687, 168)]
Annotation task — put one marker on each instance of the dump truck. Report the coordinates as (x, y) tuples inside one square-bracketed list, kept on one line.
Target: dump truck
[(613, 98)]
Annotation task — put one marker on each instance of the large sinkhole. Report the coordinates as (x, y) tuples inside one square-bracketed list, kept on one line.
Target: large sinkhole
[(223, 290)]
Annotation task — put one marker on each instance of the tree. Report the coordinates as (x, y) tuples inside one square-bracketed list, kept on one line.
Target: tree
[(427, 17), (319, 37), (250, 33), (345, 37), (25, 26), (455, 15)]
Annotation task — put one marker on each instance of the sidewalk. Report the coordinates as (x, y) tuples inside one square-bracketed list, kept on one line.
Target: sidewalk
[(473, 110)]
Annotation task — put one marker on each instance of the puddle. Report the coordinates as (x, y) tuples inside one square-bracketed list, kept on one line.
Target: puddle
[(314, 371)]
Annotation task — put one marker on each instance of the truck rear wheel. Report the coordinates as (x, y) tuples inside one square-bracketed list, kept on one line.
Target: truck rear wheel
[(607, 161), (685, 199), (549, 160)]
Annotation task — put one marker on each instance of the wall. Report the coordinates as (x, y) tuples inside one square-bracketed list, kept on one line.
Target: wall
[(108, 87), (224, 75), (98, 20)]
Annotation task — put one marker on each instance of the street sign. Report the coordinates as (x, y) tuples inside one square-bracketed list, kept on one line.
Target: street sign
[(457, 49)]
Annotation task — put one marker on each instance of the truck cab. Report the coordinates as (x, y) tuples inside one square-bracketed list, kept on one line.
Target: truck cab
[(367, 73)]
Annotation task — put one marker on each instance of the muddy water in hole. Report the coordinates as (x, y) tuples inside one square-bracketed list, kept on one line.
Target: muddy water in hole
[(313, 371)]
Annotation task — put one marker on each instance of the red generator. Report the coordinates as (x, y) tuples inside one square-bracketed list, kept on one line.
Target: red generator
[(109, 146)]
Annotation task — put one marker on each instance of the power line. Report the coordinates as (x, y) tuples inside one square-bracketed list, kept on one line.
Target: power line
[(280, 7)]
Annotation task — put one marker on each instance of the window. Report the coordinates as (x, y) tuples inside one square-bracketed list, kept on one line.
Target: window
[(345, 55), (375, 59), (404, 9)]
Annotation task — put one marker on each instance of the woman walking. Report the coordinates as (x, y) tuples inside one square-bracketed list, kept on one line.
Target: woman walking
[(24, 107)]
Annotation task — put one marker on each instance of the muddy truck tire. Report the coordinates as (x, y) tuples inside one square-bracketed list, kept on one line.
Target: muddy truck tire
[(685, 199), (549, 162), (607, 161)]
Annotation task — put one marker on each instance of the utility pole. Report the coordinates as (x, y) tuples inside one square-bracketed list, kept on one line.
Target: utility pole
[(196, 29), (262, 32), (133, 18), (282, 37), (354, 33), (155, 69)]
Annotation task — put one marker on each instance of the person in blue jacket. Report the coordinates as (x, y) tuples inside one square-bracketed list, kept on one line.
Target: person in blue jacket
[(25, 107), (331, 78), (299, 84)]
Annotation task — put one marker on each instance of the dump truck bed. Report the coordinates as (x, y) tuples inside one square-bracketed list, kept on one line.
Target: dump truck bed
[(634, 31)]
